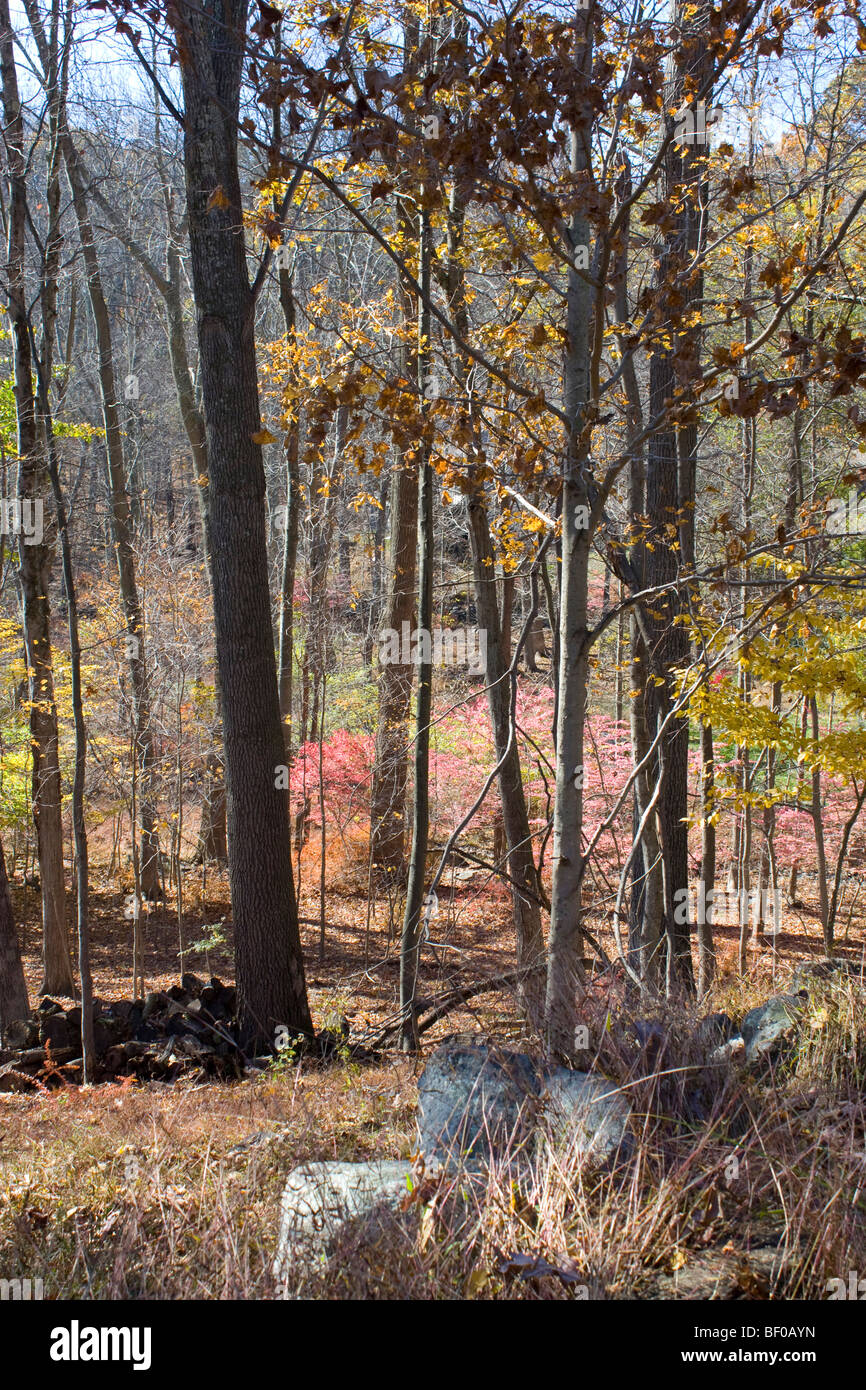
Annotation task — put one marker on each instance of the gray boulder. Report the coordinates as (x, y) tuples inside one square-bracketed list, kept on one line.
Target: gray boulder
[(829, 970), (475, 1102), (583, 1113), (478, 1104), (319, 1198), (765, 1030)]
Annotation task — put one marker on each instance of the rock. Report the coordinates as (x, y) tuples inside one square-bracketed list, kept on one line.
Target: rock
[(191, 984), (319, 1198), (765, 1029), (734, 1050), (721, 1275), (477, 1103), (715, 1030), (585, 1113), (473, 1102), (832, 970)]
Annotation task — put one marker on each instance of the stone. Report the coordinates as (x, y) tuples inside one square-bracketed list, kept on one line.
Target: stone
[(319, 1198), (765, 1029), (475, 1102), (829, 970), (585, 1114), (478, 1104), (715, 1030)]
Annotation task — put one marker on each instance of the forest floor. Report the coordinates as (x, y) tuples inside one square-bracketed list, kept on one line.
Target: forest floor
[(154, 1190)]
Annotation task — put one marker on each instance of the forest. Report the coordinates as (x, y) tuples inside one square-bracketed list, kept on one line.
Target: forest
[(432, 651)]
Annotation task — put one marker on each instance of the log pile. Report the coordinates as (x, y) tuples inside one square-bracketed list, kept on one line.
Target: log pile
[(187, 1030)]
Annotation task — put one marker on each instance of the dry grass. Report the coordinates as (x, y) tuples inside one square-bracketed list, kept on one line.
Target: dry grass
[(152, 1192), (173, 1192)]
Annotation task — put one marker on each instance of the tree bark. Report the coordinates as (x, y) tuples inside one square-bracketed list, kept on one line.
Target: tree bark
[(670, 489), (121, 530), (35, 559), (565, 976), (268, 958), (411, 937), (13, 986), (525, 886)]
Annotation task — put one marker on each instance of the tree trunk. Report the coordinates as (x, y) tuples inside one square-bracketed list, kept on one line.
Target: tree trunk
[(268, 960), (706, 948), (79, 829), (121, 530), (525, 887), (35, 559), (818, 822), (387, 809), (290, 538), (565, 975), (674, 368), (411, 937), (13, 986)]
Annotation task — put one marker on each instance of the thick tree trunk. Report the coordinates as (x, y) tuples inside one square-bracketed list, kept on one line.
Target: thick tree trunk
[(268, 958)]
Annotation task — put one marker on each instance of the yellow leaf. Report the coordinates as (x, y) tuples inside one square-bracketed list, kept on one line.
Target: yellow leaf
[(263, 437), (477, 1282), (217, 199)]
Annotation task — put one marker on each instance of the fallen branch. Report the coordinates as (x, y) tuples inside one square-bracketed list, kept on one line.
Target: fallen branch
[(433, 1010)]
